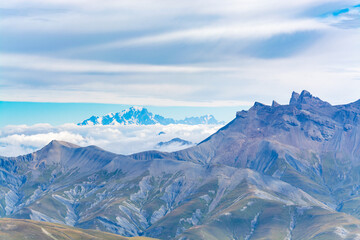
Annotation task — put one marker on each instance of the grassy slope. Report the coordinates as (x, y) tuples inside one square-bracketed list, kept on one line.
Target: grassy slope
[(16, 229)]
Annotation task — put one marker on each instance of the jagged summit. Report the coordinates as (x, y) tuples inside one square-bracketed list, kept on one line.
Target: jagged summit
[(275, 104), (141, 116), (294, 98), (306, 123), (306, 98), (257, 105)]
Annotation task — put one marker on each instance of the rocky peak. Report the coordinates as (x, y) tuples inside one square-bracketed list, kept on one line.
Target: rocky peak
[(56, 144), (306, 98), (55, 147), (275, 104), (294, 98), (241, 114), (257, 106), (136, 110)]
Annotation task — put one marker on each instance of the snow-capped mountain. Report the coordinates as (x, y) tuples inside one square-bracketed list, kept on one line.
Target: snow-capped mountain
[(141, 116)]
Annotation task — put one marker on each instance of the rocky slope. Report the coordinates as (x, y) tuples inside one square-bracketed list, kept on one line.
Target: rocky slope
[(141, 116), (274, 172)]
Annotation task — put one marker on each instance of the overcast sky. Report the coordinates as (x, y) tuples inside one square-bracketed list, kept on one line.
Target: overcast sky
[(200, 53)]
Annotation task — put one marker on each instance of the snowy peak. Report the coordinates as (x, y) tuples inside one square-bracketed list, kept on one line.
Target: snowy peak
[(206, 119), (134, 115), (130, 116), (141, 116)]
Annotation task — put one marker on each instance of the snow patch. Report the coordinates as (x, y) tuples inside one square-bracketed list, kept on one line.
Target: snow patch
[(38, 216), (48, 234), (253, 226), (11, 199), (143, 192), (158, 214), (206, 197), (71, 216)]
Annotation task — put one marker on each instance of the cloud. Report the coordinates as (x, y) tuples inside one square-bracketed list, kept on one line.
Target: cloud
[(344, 18), (248, 30), (95, 16), (40, 63), (23, 139)]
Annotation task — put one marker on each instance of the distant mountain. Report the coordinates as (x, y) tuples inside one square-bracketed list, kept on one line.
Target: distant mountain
[(206, 119), (274, 172), (141, 116), (177, 141)]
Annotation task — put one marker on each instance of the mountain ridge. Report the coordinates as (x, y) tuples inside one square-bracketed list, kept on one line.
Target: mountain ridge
[(141, 116)]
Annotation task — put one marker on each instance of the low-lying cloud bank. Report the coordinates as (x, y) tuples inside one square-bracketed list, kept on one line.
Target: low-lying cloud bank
[(23, 139)]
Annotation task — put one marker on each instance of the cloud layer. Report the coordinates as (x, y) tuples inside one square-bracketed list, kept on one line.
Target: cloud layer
[(23, 139)]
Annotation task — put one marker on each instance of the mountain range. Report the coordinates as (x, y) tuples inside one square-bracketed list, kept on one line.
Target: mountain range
[(141, 116), (274, 172)]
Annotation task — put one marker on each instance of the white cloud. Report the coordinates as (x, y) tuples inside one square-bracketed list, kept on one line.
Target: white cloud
[(246, 30), (110, 16), (18, 140), (40, 63), (164, 21), (111, 97)]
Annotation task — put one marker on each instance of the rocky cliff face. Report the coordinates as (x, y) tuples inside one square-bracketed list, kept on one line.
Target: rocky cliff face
[(280, 172)]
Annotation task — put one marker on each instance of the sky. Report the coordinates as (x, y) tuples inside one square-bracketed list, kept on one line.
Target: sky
[(63, 61), (178, 53), (29, 113)]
